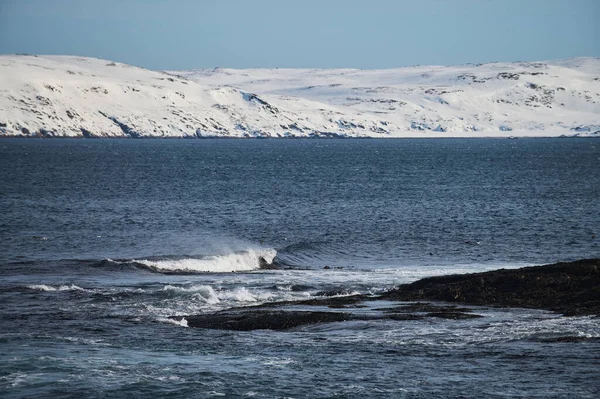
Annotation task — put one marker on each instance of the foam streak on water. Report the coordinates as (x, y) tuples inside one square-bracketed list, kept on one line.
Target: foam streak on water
[(44, 287)]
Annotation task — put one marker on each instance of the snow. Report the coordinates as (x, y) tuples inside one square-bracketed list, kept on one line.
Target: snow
[(76, 96)]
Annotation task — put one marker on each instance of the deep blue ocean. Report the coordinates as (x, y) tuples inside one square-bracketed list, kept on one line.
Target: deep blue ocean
[(101, 241)]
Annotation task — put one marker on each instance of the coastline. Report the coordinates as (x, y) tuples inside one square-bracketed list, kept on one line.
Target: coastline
[(331, 136)]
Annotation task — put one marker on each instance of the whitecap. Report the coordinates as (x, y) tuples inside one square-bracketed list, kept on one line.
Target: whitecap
[(278, 361), (204, 293), (14, 379), (48, 288), (237, 261), (240, 295), (182, 323)]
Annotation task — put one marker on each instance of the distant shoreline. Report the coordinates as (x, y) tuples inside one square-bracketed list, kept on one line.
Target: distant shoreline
[(89, 97), (332, 137)]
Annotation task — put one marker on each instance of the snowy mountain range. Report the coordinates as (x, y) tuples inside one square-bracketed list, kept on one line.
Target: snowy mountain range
[(75, 96)]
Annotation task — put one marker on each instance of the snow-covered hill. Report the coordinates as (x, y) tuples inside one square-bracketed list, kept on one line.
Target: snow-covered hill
[(74, 96)]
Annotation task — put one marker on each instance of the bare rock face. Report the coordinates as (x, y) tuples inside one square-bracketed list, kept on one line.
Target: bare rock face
[(570, 288)]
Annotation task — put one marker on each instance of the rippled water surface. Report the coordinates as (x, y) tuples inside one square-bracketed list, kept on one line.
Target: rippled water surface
[(101, 241)]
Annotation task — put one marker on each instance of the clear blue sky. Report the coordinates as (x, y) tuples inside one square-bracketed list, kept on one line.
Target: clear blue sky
[(184, 34)]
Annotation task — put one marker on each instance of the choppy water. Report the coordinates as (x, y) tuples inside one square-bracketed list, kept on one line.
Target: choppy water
[(102, 240)]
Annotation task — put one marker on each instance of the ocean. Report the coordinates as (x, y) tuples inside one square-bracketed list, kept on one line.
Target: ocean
[(102, 242)]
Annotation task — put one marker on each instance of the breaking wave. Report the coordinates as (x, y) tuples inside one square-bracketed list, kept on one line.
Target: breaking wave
[(248, 260)]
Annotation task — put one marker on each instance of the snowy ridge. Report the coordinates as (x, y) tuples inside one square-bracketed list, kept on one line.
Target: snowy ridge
[(75, 96)]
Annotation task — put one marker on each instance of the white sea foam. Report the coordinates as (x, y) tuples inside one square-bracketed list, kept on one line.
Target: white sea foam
[(183, 322), (205, 293), (215, 393), (48, 288), (274, 361), (84, 341), (209, 295), (242, 294), (15, 379), (232, 262)]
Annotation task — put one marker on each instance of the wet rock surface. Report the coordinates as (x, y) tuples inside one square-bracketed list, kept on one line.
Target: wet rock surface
[(333, 302), (264, 317), (570, 288), (247, 320), (412, 311)]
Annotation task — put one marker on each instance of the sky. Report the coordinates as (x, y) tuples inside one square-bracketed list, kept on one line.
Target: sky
[(369, 34)]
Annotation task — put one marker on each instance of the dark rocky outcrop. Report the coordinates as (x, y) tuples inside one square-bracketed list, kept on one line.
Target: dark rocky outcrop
[(325, 300), (419, 310), (86, 133), (264, 264), (127, 130), (240, 320), (263, 317), (259, 318), (570, 288)]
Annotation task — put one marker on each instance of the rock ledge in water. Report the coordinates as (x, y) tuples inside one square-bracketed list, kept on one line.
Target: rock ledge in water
[(258, 318), (570, 288), (263, 320)]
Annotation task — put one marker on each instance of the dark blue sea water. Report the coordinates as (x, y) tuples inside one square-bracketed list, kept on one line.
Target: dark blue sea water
[(101, 241)]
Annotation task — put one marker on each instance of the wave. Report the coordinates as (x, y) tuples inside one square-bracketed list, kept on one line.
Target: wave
[(248, 260), (318, 253)]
